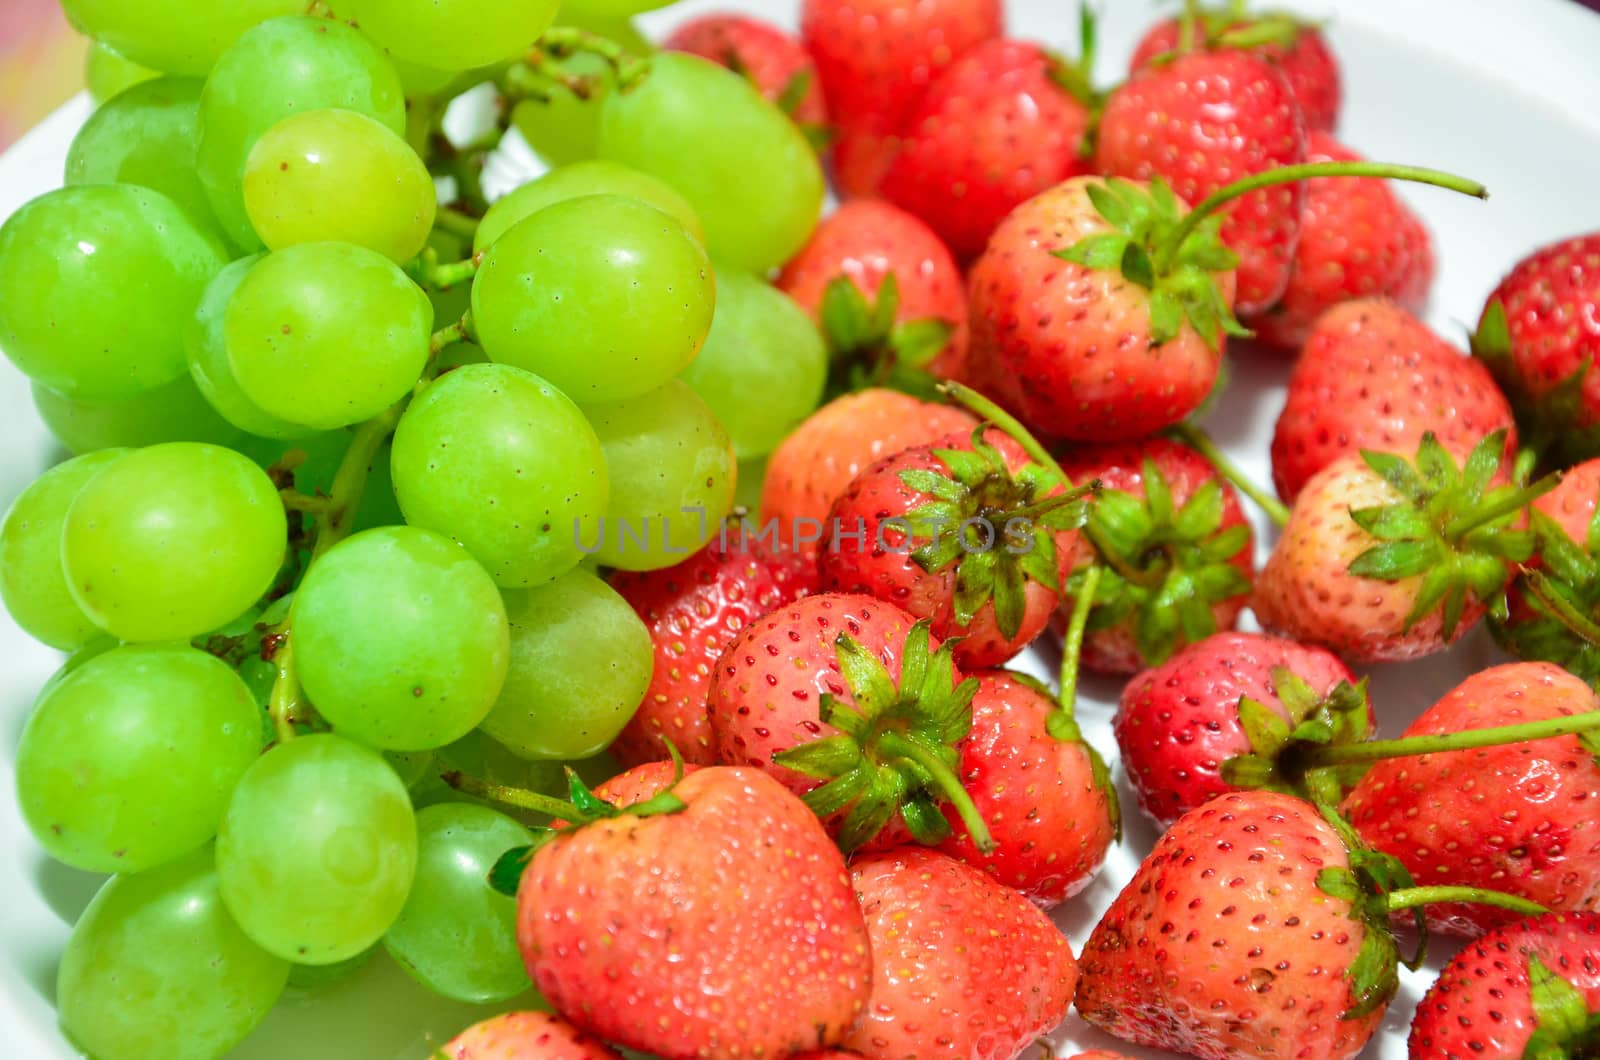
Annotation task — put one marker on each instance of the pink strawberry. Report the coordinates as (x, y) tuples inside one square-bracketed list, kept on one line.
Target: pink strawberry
[(773, 60), (526, 1036), (884, 289), (1182, 723), (1358, 239), (961, 966), (692, 611), (1372, 376), (998, 127), (1530, 989), (1202, 121)]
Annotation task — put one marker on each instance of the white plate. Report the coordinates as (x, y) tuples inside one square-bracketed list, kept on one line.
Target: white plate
[(1496, 91)]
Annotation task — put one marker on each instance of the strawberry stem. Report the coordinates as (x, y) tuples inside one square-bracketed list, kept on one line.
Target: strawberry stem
[(944, 778), (1201, 443), (1580, 625), (1443, 743), (1307, 171), (1072, 643), (1412, 897), (1511, 502)]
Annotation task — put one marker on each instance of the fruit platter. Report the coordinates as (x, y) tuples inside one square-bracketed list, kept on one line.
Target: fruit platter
[(804, 528)]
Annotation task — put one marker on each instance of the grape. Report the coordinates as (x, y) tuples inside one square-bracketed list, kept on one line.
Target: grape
[(580, 663), (172, 412), (324, 453), (157, 967), (335, 175), (592, 177), (763, 366), (507, 465), (412, 767), (743, 165), (454, 34), (282, 67), (456, 934), (147, 136), (174, 36), (95, 284), (317, 849), (127, 762), (586, 9), (425, 674), (604, 296), (32, 584), (312, 977), (326, 334), (173, 541), (564, 127), (106, 72), (672, 477)]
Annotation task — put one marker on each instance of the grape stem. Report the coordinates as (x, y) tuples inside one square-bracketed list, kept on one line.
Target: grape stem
[(285, 697), (295, 501), (456, 223), (350, 481), (563, 42), (460, 331), (429, 273), (531, 80)]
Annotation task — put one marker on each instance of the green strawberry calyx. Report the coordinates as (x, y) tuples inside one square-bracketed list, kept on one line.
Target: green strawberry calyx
[(1565, 1028), (1275, 761), (996, 528), (870, 347), (897, 748), (1555, 421), (1562, 593), (1451, 526)]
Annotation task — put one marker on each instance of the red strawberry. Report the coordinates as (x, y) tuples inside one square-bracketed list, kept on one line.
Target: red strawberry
[(526, 1036), (843, 279), (1386, 559), (961, 966), (1298, 49), (1521, 818), (816, 463), (1358, 239), (717, 923), (1044, 792), (1174, 547), (861, 158), (1540, 334), (1203, 121), (997, 128), (1374, 377), (962, 533), (1531, 989), (692, 611), (1180, 723), (773, 60), (1098, 1054), (1082, 350)]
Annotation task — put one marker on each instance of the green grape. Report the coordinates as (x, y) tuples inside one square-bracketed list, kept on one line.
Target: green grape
[(763, 366), (335, 175), (173, 541), (172, 412), (281, 67), (564, 127), (412, 767), (173, 36), (326, 334), (507, 465), (313, 977), (574, 181), (324, 453), (752, 474), (95, 285), (453, 34), (603, 9), (157, 967), (317, 849), (580, 663), (745, 167), (605, 296), (672, 477), (430, 670), (127, 762), (106, 72), (456, 934), (147, 136), (33, 586)]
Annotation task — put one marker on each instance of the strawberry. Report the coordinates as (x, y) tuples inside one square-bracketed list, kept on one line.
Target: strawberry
[(884, 289), (715, 920), (1230, 698), (861, 158), (1204, 120), (1386, 559), (773, 60), (816, 463), (961, 966), (1358, 239), (1098, 1054), (1003, 123), (1530, 988), (692, 611), (1044, 792), (1174, 547), (962, 533), (1297, 48), (1374, 377), (526, 1036), (852, 704), (1539, 335), (1522, 818)]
